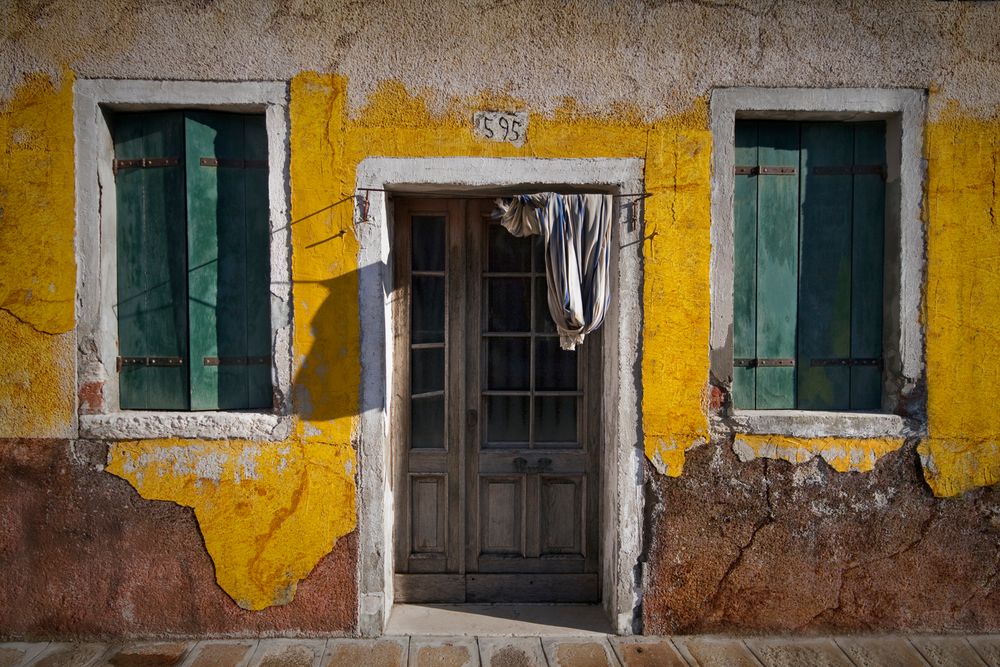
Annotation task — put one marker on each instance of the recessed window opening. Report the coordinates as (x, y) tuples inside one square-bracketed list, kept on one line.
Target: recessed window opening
[(193, 305)]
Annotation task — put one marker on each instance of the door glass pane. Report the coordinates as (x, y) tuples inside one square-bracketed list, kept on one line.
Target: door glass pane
[(428, 309), (555, 368), (427, 370), (507, 419), (555, 419), (505, 252), (427, 423), (428, 243), (538, 253), (507, 363), (543, 318), (509, 304)]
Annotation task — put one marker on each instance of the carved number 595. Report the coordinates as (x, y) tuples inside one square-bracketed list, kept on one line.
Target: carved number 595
[(498, 126)]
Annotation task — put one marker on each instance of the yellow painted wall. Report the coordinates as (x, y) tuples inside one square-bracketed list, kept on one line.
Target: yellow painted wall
[(962, 310), (270, 511), (37, 264)]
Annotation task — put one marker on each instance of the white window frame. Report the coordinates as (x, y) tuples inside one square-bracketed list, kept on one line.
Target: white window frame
[(904, 111), (96, 252)]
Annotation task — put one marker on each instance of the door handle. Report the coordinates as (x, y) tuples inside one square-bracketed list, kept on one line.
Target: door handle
[(521, 465)]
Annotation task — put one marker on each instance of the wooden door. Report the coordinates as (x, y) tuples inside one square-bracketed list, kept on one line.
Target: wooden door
[(497, 428)]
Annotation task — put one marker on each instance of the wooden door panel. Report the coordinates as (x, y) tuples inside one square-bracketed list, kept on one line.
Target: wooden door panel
[(532, 588), (429, 588), (561, 515), (428, 514), (501, 507)]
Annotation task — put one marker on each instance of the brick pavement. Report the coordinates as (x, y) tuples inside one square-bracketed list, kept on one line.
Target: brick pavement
[(426, 651)]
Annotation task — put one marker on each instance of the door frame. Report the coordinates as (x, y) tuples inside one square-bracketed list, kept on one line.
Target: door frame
[(621, 514)]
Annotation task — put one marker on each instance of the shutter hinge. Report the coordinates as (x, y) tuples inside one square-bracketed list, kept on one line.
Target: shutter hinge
[(236, 361), (232, 163), (144, 163), (762, 363), (843, 361), (148, 361), (766, 171)]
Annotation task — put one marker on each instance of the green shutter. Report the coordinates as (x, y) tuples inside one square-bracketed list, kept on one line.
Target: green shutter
[(867, 263), (228, 255), (258, 254), (808, 265), (777, 263), (745, 267), (152, 317), (824, 318)]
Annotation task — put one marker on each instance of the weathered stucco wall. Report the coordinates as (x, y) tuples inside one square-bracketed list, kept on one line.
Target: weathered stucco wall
[(629, 80)]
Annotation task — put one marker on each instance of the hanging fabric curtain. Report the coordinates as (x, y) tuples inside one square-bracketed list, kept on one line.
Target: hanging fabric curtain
[(577, 234)]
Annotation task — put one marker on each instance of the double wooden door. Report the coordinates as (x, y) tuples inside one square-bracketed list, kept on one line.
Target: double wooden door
[(495, 428)]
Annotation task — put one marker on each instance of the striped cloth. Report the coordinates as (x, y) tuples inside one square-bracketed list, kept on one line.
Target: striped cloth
[(577, 234)]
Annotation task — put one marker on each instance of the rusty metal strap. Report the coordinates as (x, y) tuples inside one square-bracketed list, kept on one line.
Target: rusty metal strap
[(145, 163), (233, 163), (149, 361), (843, 361), (765, 171), (762, 363), (236, 361)]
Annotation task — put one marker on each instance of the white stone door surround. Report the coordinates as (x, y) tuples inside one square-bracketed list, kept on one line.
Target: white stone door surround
[(621, 493)]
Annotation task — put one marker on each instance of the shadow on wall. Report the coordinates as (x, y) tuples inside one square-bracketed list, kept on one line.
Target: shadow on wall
[(329, 382)]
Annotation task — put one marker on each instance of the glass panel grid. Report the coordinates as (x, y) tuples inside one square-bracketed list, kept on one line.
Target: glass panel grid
[(563, 389), (428, 332)]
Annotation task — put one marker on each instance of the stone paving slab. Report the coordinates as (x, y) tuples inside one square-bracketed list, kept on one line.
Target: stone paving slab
[(289, 653), (988, 648), (947, 651), (715, 651), (511, 652), (145, 654), (20, 653), (585, 651), (383, 652), (579, 652), (221, 653), (878, 651), (647, 652), (818, 652), (60, 654), (443, 652)]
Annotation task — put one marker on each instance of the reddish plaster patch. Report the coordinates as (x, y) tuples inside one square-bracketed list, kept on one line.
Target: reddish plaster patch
[(91, 397)]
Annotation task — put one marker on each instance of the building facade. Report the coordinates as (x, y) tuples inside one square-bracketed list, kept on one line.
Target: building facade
[(271, 366)]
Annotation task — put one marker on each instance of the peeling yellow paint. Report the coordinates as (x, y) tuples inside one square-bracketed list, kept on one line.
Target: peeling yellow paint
[(38, 385), (843, 454), (962, 309), (676, 252), (37, 204), (37, 265), (268, 511)]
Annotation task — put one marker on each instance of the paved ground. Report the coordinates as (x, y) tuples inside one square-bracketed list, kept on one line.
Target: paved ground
[(424, 651)]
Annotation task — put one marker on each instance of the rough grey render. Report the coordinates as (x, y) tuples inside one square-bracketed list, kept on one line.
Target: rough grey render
[(655, 55)]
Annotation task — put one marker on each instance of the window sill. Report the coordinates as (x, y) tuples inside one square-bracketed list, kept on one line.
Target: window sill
[(815, 424), (145, 425)]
